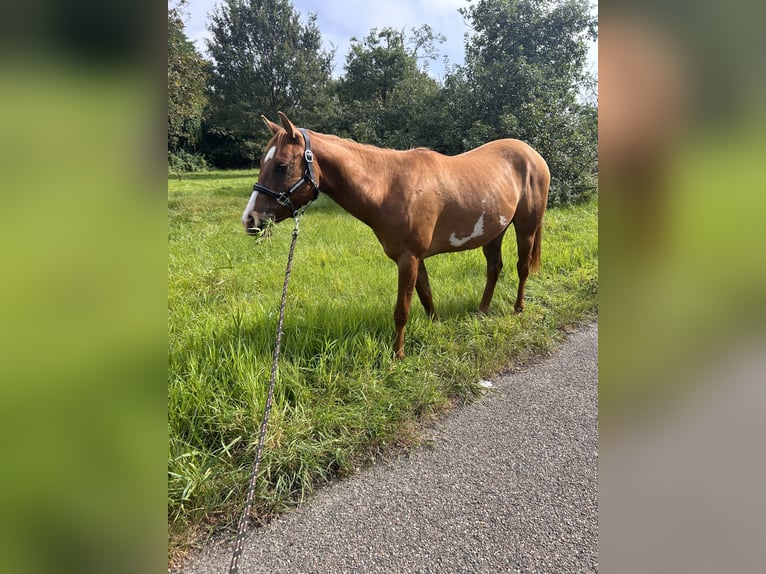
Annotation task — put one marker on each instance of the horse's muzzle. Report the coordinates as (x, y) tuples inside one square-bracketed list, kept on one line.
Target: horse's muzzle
[(255, 223), (250, 225)]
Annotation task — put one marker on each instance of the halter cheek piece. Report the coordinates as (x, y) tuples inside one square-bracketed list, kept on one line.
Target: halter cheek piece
[(283, 198)]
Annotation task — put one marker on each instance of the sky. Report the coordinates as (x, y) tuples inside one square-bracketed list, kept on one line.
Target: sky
[(340, 20)]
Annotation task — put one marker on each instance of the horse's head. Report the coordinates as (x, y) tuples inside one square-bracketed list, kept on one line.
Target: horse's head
[(289, 179)]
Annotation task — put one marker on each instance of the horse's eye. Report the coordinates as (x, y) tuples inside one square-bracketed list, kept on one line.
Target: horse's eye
[(281, 167)]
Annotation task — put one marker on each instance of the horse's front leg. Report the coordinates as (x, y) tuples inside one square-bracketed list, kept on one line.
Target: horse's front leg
[(408, 273)]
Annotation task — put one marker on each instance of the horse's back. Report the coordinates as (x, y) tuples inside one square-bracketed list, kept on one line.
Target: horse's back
[(521, 156), (482, 162), (476, 195), (510, 165)]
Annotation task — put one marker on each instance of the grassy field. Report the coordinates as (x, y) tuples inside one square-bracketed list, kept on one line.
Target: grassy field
[(341, 398)]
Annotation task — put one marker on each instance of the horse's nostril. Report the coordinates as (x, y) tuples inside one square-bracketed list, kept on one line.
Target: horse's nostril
[(249, 223), (253, 225)]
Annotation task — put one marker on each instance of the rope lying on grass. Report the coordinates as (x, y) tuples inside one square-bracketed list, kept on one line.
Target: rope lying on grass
[(238, 545)]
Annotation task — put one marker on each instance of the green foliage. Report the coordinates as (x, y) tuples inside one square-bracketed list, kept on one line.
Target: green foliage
[(187, 77), (264, 60), (524, 67), (523, 77), (182, 161), (340, 398), (375, 66), (386, 99)]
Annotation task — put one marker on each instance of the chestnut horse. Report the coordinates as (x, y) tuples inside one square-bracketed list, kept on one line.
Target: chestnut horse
[(417, 202)]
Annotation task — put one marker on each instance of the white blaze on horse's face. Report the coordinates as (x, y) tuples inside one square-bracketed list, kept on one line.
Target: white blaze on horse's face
[(478, 231), (246, 219)]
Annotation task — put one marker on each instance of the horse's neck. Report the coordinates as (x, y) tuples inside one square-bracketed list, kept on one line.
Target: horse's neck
[(352, 175)]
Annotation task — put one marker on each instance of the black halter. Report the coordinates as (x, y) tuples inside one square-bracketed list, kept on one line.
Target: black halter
[(283, 198)]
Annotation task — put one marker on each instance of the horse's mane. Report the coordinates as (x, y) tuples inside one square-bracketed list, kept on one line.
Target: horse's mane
[(371, 147)]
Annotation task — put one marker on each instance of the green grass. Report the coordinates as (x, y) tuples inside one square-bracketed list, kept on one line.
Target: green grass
[(340, 398)]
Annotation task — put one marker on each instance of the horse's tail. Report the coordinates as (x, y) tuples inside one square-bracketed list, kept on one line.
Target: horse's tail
[(534, 259), (544, 182)]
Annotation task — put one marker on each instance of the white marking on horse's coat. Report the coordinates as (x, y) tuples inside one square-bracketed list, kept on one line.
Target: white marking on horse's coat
[(478, 231), (250, 207), (503, 221), (270, 154)]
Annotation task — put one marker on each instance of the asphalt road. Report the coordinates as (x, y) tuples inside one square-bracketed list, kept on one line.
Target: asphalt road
[(507, 484)]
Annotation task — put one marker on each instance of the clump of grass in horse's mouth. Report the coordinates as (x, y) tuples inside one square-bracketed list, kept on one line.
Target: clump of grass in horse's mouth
[(264, 231)]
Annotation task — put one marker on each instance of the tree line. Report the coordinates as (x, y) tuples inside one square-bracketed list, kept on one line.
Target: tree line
[(524, 76)]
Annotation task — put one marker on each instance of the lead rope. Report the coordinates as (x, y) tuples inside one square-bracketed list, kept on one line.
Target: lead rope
[(234, 567)]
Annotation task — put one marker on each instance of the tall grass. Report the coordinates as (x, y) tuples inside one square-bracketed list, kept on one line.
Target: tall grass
[(341, 397)]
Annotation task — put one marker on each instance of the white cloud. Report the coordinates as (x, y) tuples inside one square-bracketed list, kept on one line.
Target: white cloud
[(196, 21), (199, 40)]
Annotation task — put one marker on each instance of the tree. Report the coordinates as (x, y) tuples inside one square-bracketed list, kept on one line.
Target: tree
[(385, 98), (375, 65), (187, 78), (525, 63), (264, 60)]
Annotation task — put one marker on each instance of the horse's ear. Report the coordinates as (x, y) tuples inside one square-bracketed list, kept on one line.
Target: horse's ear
[(291, 130), (271, 125)]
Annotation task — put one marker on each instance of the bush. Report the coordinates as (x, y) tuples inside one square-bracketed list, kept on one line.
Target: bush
[(182, 161)]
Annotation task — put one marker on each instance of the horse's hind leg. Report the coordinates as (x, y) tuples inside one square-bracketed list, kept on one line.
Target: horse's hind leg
[(529, 254), (493, 251), (424, 290), (408, 271)]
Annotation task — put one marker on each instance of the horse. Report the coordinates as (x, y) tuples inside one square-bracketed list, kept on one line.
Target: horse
[(418, 202)]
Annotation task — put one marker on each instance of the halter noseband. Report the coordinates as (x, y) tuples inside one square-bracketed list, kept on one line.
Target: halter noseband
[(283, 198)]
